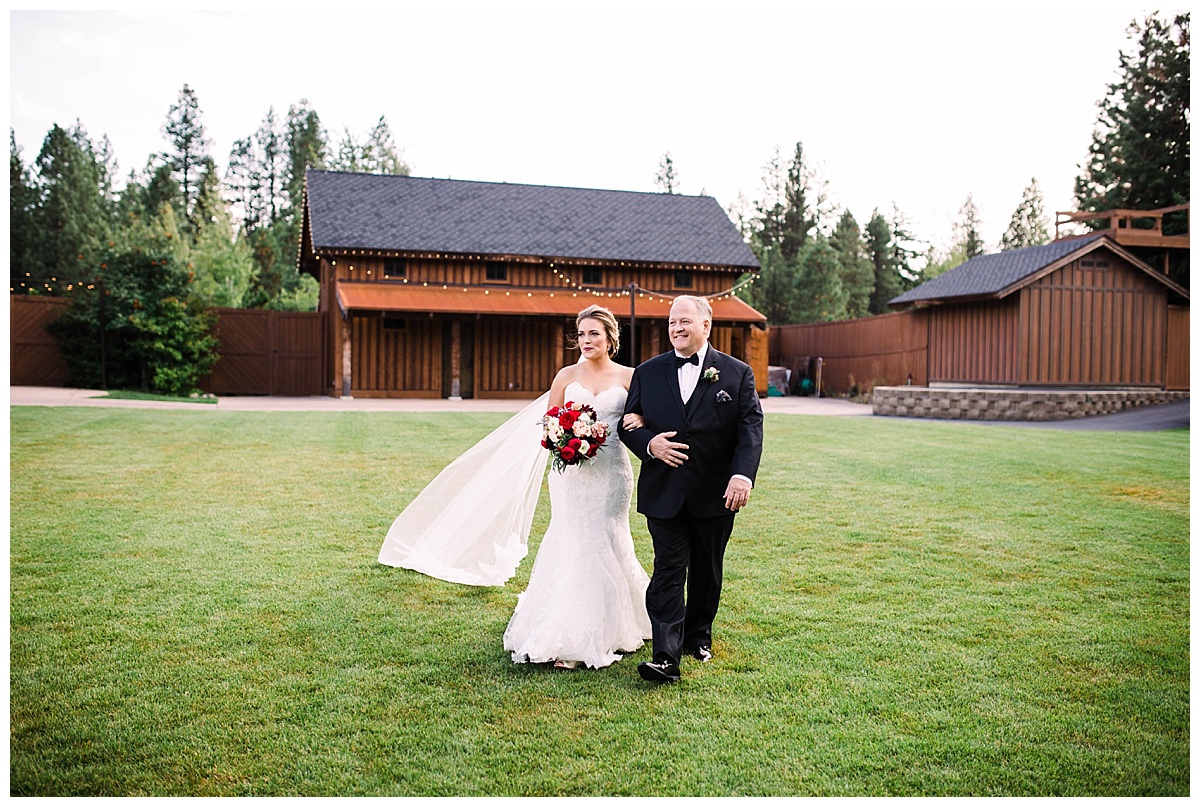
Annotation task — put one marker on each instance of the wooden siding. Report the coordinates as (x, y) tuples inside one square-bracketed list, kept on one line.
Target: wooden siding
[(1178, 348), (975, 343), (533, 273), (33, 356), (868, 352), (401, 362), (1086, 325), (518, 358)]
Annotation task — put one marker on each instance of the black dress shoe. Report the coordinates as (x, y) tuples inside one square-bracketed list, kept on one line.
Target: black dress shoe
[(660, 671), (702, 652)]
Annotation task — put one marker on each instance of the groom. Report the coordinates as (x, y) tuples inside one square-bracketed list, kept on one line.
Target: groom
[(700, 448)]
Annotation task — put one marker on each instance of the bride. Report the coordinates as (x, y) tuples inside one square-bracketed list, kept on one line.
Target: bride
[(585, 603)]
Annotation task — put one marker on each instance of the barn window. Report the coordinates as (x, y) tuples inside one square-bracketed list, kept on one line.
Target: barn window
[(1094, 264), (395, 267), (497, 272), (593, 276), (683, 280), (393, 322)]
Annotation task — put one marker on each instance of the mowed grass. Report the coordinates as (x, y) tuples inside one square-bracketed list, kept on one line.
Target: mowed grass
[(910, 609)]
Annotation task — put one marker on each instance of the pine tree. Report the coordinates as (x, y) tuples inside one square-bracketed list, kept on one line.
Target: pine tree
[(306, 149), (967, 229), (775, 292), (822, 297), (71, 217), (222, 265), (1028, 226), (189, 146), (379, 155), (1140, 155), (803, 201), (857, 271), (881, 250), (666, 180), (23, 235)]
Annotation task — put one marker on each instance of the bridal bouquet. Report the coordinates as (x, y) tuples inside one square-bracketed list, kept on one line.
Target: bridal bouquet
[(572, 433)]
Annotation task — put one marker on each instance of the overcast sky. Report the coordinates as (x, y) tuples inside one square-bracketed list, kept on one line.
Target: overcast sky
[(915, 106)]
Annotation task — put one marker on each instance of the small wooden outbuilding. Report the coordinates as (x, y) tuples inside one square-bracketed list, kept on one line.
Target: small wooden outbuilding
[(448, 288), (1079, 313)]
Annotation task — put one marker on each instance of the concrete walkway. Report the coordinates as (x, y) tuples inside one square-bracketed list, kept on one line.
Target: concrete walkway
[(60, 396), (1175, 415)]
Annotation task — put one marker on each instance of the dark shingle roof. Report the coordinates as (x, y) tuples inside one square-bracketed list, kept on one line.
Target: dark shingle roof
[(371, 211), (991, 274)]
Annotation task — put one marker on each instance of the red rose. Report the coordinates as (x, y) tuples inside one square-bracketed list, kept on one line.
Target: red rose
[(546, 443), (567, 419), (568, 454), (574, 443)]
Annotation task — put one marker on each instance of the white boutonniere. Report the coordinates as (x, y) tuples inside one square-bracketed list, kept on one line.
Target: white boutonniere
[(711, 375)]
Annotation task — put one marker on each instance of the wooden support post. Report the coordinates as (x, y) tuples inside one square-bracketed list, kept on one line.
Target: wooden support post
[(346, 377), (455, 360)]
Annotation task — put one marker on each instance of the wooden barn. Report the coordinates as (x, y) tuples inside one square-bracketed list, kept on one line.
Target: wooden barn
[(1084, 312), (448, 288)]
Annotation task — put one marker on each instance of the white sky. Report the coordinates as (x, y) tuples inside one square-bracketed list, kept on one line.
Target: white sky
[(915, 106)]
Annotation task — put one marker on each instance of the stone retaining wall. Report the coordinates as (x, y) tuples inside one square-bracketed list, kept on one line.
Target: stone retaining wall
[(1012, 404)]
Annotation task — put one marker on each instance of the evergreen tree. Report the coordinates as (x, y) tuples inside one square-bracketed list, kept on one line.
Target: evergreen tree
[(306, 149), (967, 229), (881, 250), (1028, 226), (904, 250), (857, 271), (1140, 155), (822, 297), (775, 292), (23, 235), (271, 166), (189, 146), (665, 180), (380, 155), (71, 216), (772, 208), (223, 266), (801, 210)]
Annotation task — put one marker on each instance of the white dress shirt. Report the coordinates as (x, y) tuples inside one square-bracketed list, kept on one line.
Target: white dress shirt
[(689, 374)]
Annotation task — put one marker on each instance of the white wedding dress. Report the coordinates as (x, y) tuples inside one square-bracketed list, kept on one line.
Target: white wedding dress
[(586, 599)]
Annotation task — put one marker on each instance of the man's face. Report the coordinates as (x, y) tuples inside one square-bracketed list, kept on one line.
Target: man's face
[(688, 331)]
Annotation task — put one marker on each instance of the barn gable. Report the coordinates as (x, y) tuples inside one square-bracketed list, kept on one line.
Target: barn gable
[(995, 276)]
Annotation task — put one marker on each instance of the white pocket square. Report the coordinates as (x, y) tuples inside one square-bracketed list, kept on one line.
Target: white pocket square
[(723, 396)]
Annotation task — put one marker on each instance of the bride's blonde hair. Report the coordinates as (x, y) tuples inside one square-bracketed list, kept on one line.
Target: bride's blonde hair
[(606, 318)]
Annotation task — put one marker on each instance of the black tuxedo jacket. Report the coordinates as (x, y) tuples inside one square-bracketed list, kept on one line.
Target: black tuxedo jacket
[(721, 424)]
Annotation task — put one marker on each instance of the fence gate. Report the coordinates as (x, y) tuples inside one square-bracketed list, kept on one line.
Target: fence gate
[(266, 353)]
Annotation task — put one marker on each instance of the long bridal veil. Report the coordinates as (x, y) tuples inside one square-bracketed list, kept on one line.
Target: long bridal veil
[(471, 523)]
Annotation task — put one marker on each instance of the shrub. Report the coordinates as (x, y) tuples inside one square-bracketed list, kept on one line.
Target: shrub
[(157, 334)]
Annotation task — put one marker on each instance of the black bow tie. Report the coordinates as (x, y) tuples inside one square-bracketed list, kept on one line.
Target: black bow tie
[(692, 359)]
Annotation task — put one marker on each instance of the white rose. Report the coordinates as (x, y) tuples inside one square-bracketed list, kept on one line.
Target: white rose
[(553, 430)]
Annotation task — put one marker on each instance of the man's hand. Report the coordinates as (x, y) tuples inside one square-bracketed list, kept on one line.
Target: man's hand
[(673, 454), (737, 494)]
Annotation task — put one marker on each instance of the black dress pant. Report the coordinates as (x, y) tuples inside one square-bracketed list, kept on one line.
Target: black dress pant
[(689, 554)]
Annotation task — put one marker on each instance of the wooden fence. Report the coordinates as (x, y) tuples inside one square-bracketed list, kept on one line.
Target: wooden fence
[(261, 352), (33, 357), (857, 354), (884, 350)]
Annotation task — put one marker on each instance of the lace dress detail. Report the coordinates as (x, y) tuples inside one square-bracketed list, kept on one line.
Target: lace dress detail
[(586, 599)]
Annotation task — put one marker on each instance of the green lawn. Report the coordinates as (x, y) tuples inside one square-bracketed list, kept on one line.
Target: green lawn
[(910, 609)]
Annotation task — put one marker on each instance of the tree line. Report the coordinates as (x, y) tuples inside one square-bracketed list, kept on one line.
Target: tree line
[(145, 265)]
